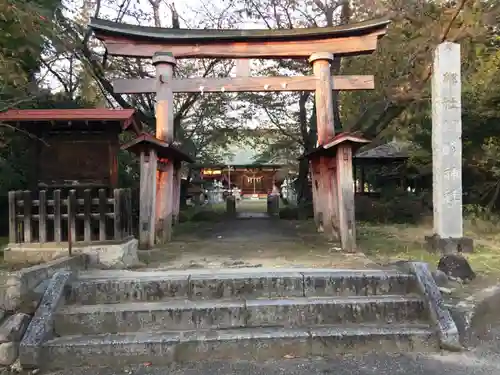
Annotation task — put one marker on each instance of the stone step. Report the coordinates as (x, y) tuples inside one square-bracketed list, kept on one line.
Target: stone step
[(161, 348), (246, 283), (190, 315)]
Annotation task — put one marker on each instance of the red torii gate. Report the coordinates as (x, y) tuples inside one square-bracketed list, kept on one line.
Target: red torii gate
[(333, 169)]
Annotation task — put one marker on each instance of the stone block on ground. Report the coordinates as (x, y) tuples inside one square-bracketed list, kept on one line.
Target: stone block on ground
[(233, 283), (150, 316), (440, 278), (476, 316), (447, 329), (255, 344), (440, 245), (462, 318), (332, 341), (119, 255), (18, 289), (308, 312), (128, 289), (8, 353), (32, 299), (13, 328), (456, 266), (362, 283), (193, 315), (41, 326), (246, 285)]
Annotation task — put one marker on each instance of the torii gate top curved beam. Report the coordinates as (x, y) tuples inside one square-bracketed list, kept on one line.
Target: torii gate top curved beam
[(143, 41)]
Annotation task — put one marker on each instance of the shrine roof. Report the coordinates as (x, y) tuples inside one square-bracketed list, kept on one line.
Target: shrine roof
[(163, 149), (242, 166), (126, 117), (103, 27), (390, 150), (329, 148)]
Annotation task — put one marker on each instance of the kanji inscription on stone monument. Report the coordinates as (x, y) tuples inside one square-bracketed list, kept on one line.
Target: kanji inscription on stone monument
[(447, 145)]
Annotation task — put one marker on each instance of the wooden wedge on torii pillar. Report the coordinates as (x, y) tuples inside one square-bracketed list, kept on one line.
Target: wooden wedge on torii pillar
[(157, 159), (333, 186)]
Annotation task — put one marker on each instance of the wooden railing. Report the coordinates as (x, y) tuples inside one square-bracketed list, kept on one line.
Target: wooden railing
[(66, 216)]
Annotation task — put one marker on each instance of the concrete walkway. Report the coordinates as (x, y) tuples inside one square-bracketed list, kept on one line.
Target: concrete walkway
[(253, 242)]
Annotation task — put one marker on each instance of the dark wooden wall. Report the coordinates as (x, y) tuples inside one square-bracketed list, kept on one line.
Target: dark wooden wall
[(87, 158)]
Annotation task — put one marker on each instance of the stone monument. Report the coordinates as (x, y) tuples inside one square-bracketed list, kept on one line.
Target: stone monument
[(447, 152)]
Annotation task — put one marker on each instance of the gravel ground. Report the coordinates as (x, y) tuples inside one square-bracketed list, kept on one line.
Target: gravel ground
[(456, 364)]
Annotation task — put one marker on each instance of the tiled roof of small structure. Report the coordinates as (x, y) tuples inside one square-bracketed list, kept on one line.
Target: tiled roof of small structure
[(389, 150), (245, 155), (162, 148), (124, 116), (89, 114)]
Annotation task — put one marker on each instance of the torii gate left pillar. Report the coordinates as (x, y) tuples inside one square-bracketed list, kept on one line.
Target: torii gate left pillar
[(164, 63)]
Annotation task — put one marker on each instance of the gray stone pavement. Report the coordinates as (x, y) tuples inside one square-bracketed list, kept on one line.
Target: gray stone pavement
[(469, 363)]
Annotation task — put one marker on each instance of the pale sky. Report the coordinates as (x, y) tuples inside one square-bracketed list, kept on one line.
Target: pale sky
[(192, 14)]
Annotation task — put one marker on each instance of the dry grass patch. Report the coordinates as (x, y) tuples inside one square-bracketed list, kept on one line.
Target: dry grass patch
[(388, 243)]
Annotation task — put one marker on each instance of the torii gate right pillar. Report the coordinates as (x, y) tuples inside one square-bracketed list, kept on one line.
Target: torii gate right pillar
[(323, 168)]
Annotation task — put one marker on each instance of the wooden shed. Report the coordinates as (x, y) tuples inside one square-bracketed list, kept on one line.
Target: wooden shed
[(74, 146)]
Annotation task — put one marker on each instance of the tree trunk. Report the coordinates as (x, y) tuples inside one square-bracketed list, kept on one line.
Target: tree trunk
[(304, 192), (345, 17)]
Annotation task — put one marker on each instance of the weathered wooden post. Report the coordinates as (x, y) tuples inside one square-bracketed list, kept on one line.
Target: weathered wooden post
[(13, 228), (346, 147), (147, 198), (447, 152), (335, 160), (164, 63), (150, 150), (315, 181), (324, 181), (177, 192)]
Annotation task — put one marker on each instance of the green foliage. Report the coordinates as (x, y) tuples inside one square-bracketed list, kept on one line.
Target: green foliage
[(26, 27), (289, 213), (294, 212), (15, 162), (392, 207), (481, 218)]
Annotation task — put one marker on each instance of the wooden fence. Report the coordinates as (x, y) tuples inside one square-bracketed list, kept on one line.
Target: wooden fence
[(69, 216)]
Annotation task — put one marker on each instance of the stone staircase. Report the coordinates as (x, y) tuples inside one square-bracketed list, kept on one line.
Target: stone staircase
[(119, 318)]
